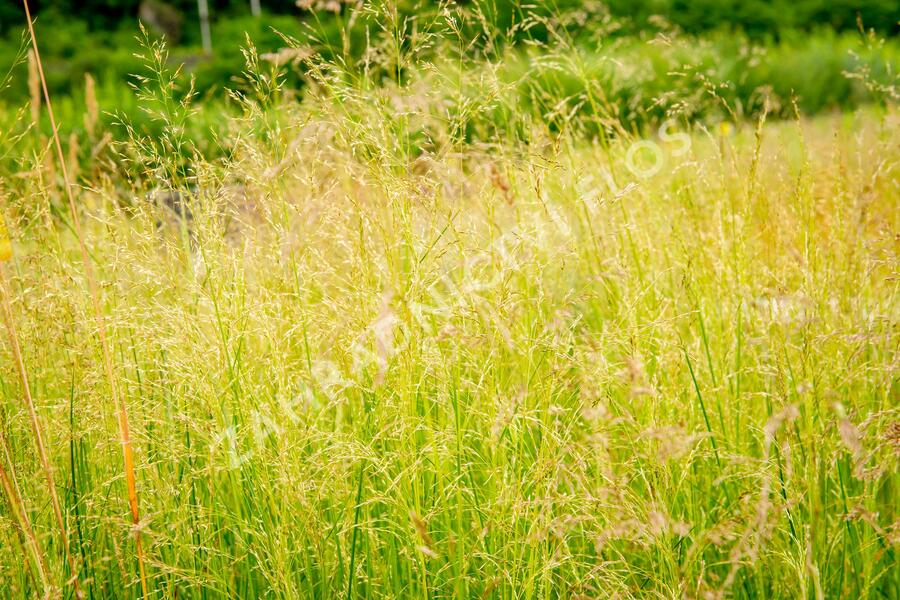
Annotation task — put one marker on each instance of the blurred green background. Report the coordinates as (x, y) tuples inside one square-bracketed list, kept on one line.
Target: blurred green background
[(801, 50)]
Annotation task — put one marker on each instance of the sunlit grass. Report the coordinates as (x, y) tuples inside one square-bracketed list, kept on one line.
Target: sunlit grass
[(363, 357)]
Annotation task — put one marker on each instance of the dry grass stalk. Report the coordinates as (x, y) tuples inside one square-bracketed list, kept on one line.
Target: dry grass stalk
[(36, 427), (124, 432), (17, 508), (34, 89), (73, 155), (92, 114)]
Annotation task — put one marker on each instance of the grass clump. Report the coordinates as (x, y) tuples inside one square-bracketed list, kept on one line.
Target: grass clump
[(365, 353)]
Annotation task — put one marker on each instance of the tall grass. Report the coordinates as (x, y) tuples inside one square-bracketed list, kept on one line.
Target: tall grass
[(368, 353), (100, 319)]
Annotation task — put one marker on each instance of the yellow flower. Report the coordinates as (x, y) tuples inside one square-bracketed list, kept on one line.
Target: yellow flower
[(725, 128), (5, 244)]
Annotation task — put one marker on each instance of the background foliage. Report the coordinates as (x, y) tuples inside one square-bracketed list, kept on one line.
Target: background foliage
[(726, 56)]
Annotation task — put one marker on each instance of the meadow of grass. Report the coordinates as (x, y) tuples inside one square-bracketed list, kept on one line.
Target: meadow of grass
[(383, 346)]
